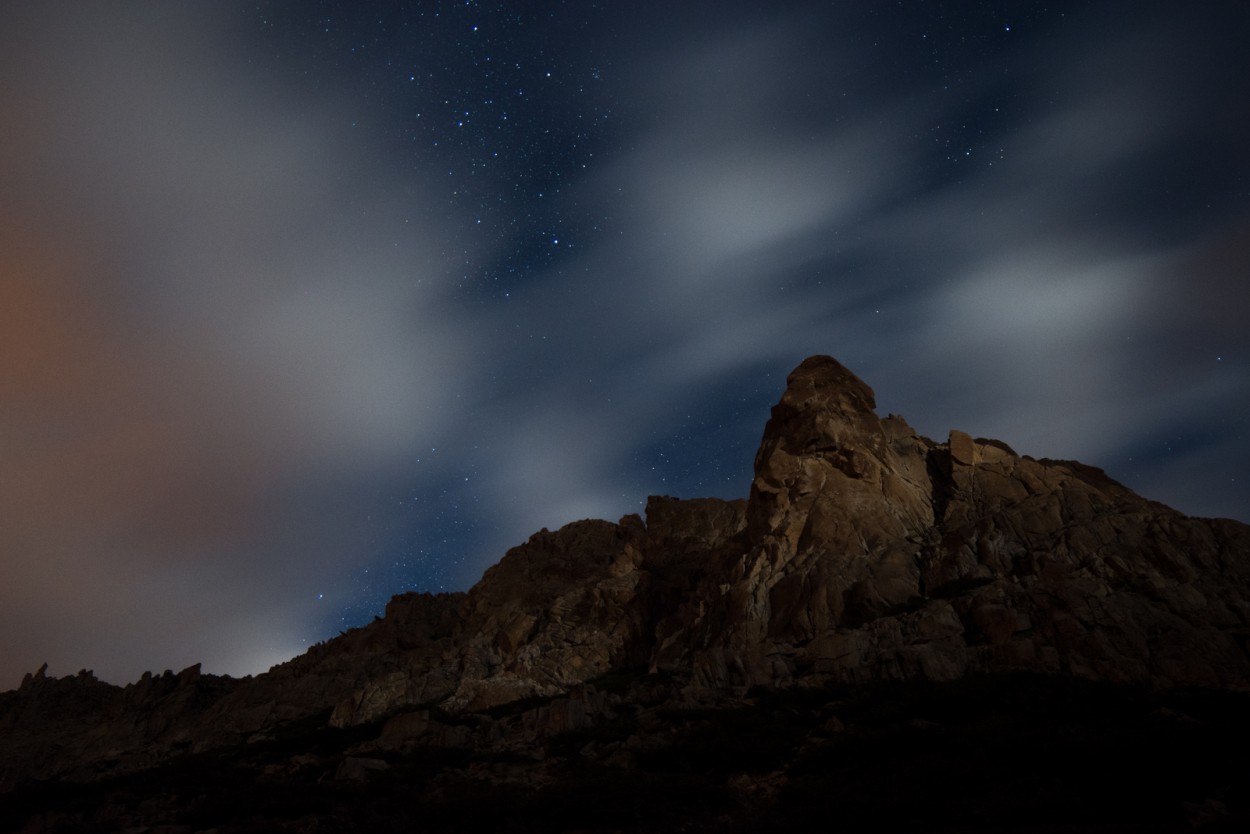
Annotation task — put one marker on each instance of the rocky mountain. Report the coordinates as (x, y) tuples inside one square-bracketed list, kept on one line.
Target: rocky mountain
[(729, 665)]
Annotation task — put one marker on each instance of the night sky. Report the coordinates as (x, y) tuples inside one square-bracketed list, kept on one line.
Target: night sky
[(306, 304)]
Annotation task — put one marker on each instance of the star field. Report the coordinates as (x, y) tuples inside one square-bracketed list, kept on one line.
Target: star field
[(484, 113)]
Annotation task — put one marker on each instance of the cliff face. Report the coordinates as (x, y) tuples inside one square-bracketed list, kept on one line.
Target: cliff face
[(864, 552)]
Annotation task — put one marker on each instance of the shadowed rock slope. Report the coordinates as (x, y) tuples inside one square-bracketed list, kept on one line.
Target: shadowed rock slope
[(864, 554)]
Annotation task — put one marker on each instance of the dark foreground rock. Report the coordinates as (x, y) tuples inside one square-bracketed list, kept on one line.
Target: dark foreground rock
[(890, 633), (1002, 753)]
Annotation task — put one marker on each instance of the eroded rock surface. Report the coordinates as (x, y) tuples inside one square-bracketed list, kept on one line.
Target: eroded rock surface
[(873, 552)]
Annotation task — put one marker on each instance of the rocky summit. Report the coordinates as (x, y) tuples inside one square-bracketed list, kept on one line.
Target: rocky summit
[(889, 633)]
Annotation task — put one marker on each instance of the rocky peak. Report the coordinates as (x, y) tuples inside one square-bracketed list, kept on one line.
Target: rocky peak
[(824, 449), (824, 383)]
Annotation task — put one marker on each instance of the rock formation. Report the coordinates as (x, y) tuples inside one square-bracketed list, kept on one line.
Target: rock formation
[(864, 553), (872, 552)]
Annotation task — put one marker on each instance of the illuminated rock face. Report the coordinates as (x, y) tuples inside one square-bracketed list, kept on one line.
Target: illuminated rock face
[(872, 552), (863, 553)]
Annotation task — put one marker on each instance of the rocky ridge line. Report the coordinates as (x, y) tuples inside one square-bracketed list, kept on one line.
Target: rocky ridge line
[(864, 552)]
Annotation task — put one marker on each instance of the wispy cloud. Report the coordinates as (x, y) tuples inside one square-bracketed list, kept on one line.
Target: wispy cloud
[(194, 331)]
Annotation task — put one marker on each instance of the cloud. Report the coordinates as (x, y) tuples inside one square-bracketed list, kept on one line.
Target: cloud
[(1018, 297), (210, 301)]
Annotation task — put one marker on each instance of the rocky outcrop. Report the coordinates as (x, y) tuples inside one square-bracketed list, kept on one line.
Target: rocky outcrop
[(873, 552), (81, 728), (557, 610), (864, 552)]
